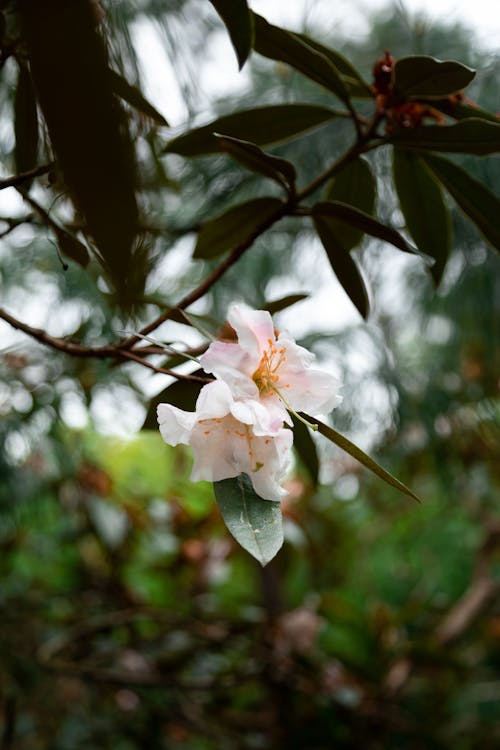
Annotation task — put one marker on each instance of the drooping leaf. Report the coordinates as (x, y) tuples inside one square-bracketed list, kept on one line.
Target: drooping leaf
[(25, 123), (343, 265), (361, 456), (475, 199), (281, 304), (359, 220), (182, 393), (424, 209), (471, 136), (285, 46), (423, 76), (252, 157), (239, 23), (70, 246), (461, 110), (353, 80), (255, 523), (262, 125), (306, 448), (228, 230), (356, 186), (133, 96)]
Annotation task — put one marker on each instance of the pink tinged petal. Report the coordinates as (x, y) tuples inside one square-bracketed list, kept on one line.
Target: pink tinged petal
[(254, 329), (231, 363), (312, 391), (175, 424), (296, 356), (214, 400), (272, 458), (254, 413), (213, 450)]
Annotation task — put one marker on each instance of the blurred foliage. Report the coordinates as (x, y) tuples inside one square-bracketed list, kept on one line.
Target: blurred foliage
[(128, 617)]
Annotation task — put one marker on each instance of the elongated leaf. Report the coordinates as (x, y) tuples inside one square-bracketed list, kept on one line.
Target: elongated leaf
[(353, 80), (239, 23), (423, 76), (182, 394), (424, 209), (355, 185), (284, 302), (471, 136), (71, 247), (25, 123), (306, 448), (234, 226), (252, 157), (475, 199), (462, 110), (255, 523), (361, 456), (133, 96), (285, 46), (344, 267), (358, 219), (263, 126)]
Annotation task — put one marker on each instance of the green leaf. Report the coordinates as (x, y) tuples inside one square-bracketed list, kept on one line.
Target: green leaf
[(255, 523), (423, 76), (424, 209), (359, 455), (461, 111), (306, 448), (239, 23), (356, 186), (133, 96), (281, 304), (475, 199), (262, 125), (285, 46), (344, 267), (354, 81), (240, 222), (358, 219), (471, 136), (252, 157), (25, 123), (182, 393), (71, 247)]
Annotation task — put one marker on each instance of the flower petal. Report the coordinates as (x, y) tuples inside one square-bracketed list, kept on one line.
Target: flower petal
[(272, 458), (311, 391), (254, 329), (214, 400), (253, 412), (215, 445), (231, 363), (175, 424)]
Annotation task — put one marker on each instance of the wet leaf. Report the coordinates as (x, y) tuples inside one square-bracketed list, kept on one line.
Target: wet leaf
[(234, 226), (424, 209), (255, 523), (262, 126)]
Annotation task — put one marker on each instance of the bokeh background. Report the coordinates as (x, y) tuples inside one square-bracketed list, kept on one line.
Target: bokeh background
[(128, 617)]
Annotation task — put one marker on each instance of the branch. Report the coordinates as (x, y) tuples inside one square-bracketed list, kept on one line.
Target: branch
[(22, 177)]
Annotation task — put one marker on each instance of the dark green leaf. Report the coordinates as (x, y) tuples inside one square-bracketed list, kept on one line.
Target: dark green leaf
[(252, 157), (471, 136), (461, 111), (228, 230), (281, 304), (263, 125), (306, 448), (356, 186), (352, 78), (239, 23), (475, 199), (71, 247), (25, 123), (423, 76), (182, 394), (285, 46), (344, 267), (133, 96), (358, 219), (359, 455), (424, 209), (255, 523)]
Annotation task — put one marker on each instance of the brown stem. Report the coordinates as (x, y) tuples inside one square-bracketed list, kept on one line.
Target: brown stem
[(19, 179)]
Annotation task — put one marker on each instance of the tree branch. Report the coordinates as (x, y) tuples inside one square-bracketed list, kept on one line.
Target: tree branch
[(19, 179)]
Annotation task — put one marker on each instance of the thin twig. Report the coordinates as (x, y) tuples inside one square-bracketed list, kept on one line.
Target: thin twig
[(19, 179)]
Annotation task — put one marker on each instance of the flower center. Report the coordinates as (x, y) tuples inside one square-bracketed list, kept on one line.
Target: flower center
[(266, 375)]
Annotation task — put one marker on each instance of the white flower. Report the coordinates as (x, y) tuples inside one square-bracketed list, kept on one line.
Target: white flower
[(224, 447), (238, 424)]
